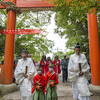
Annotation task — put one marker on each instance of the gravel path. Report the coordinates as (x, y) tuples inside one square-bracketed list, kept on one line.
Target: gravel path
[(64, 93)]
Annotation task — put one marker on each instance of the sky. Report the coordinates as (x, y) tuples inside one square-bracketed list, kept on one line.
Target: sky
[(58, 41)]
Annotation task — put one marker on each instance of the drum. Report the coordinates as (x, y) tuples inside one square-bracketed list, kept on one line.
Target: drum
[(39, 87), (52, 84)]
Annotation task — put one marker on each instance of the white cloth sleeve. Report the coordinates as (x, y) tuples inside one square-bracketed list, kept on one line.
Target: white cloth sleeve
[(18, 74), (73, 70), (32, 69)]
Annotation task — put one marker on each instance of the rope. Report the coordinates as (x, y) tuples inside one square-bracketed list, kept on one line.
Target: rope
[(36, 9), (11, 6)]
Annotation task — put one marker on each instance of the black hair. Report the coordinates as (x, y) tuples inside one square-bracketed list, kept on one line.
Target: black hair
[(77, 45), (24, 51)]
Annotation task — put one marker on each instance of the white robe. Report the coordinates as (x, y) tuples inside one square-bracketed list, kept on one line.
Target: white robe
[(79, 83), (24, 83)]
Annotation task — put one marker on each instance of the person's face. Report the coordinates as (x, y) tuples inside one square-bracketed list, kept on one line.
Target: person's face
[(77, 51), (55, 58), (44, 57), (64, 57), (48, 58), (39, 72), (51, 69), (24, 55)]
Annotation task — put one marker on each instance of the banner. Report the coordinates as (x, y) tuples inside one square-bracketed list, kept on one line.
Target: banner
[(20, 31)]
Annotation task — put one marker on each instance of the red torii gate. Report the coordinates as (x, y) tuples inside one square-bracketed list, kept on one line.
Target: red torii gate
[(7, 68)]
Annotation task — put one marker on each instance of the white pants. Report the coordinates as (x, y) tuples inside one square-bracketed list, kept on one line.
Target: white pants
[(25, 90), (76, 95), (83, 97)]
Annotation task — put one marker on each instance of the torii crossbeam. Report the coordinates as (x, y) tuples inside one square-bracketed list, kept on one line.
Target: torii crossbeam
[(6, 76), (31, 4)]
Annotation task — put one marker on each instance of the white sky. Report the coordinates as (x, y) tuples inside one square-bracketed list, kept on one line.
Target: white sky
[(58, 42)]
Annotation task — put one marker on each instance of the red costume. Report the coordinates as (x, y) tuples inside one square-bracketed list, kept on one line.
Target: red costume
[(45, 66), (52, 76), (41, 79), (57, 66)]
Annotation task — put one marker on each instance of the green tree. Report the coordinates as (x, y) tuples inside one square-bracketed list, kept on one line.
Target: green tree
[(2, 37), (71, 21), (2, 43), (99, 25), (60, 54), (34, 44), (69, 53), (73, 30)]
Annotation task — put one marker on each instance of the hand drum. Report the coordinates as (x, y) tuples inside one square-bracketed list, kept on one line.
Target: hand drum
[(52, 84), (38, 87)]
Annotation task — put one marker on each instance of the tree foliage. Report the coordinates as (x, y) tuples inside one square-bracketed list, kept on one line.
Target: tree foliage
[(79, 6), (2, 37), (61, 54), (71, 21), (2, 43), (99, 25), (34, 44)]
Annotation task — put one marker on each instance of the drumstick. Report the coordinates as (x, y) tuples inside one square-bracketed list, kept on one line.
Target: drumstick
[(26, 69), (80, 67)]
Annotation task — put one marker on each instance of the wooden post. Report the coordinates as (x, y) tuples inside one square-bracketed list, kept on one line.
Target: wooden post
[(94, 48), (9, 48)]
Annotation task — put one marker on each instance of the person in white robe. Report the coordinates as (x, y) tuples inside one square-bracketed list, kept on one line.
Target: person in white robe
[(24, 72), (78, 74)]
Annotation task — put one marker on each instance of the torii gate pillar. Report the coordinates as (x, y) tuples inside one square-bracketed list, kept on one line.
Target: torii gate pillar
[(9, 48), (7, 69), (94, 48)]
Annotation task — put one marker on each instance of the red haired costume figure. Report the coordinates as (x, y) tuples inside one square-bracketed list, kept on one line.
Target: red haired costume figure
[(39, 85), (44, 64), (52, 81), (56, 63)]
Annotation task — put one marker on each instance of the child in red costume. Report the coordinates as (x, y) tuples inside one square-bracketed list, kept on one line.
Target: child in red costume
[(52, 81), (39, 85)]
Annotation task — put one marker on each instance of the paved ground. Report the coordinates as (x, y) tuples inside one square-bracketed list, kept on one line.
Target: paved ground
[(64, 93)]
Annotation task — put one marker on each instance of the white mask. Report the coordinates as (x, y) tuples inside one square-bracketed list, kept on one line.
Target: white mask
[(50, 69), (39, 72)]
